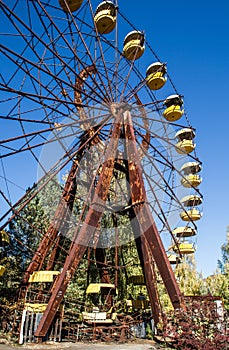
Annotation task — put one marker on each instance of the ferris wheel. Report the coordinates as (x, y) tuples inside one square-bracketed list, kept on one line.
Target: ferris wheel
[(88, 106)]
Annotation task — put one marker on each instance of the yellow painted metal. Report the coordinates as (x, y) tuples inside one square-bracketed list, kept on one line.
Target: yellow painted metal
[(97, 318), (105, 17), (134, 45), (191, 180), (155, 75), (2, 270), (4, 238), (137, 280), (191, 215), (39, 307), (191, 168), (155, 81), (184, 231), (43, 276), (72, 4), (139, 304), (35, 307), (185, 146), (173, 113), (191, 201), (100, 287), (185, 248)]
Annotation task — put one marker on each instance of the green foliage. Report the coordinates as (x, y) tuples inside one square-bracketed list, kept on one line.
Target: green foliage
[(219, 282), (190, 281), (29, 226), (25, 232), (225, 250), (197, 328)]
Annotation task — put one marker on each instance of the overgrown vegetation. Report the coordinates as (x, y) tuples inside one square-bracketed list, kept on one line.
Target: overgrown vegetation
[(26, 230), (198, 328)]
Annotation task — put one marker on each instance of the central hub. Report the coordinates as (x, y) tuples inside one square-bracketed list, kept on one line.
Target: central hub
[(117, 107)]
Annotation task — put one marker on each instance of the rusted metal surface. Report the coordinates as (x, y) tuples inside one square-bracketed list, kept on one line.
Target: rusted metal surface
[(146, 137), (148, 242), (83, 235), (122, 329), (145, 219), (45, 245), (57, 80), (83, 75), (102, 265), (149, 274), (116, 333), (61, 215)]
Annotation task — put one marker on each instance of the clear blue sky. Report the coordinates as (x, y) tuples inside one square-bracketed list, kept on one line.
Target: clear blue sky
[(193, 38)]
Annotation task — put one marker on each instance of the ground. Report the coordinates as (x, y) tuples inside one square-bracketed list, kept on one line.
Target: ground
[(145, 345)]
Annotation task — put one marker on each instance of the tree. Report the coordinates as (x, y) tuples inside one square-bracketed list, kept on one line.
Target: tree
[(24, 232), (190, 281), (220, 280), (223, 265)]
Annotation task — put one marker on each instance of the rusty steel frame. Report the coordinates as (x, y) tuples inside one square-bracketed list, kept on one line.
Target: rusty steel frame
[(149, 245), (83, 235), (65, 205), (12, 14), (145, 220), (147, 238), (148, 271), (92, 138)]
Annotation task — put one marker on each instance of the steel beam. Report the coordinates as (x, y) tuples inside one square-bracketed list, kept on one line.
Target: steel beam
[(60, 217), (83, 234), (143, 216), (149, 274)]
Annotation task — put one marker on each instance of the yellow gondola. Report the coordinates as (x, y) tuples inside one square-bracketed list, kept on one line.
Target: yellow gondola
[(134, 46), (43, 276), (173, 111), (105, 17), (185, 147), (184, 231), (35, 307), (191, 215), (191, 181), (155, 76), (185, 143), (73, 5), (184, 248), (191, 178)]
